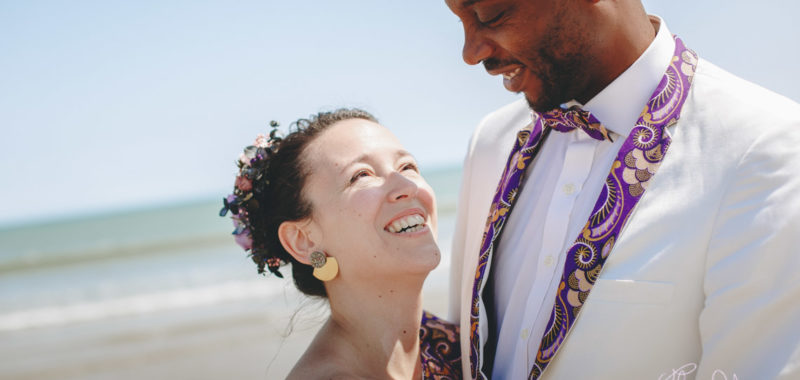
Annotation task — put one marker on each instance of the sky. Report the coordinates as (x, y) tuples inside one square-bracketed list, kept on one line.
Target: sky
[(115, 105)]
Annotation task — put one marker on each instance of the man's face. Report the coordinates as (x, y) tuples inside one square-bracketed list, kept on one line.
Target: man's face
[(540, 47)]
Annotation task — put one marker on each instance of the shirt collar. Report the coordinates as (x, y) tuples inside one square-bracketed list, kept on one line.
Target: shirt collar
[(619, 105)]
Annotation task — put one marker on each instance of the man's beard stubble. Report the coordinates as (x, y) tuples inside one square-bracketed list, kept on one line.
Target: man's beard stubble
[(561, 64), (560, 79)]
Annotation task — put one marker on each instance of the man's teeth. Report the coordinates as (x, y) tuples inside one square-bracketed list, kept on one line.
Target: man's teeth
[(409, 223), (511, 74)]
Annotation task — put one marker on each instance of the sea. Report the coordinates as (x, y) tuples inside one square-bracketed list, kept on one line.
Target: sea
[(87, 273)]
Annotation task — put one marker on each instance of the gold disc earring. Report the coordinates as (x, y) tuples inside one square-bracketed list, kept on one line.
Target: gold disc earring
[(325, 267)]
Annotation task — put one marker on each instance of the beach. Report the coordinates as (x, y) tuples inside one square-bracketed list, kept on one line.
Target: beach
[(143, 294), (245, 339)]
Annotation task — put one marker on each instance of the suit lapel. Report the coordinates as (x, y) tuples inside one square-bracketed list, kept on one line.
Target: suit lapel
[(637, 161), (527, 144)]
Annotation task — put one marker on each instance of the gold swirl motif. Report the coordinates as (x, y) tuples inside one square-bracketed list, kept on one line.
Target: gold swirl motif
[(593, 274), (601, 224), (585, 250), (512, 195), (535, 372), (663, 106), (668, 91), (529, 150), (522, 137), (612, 195), (655, 154), (644, 136), (559, 319)]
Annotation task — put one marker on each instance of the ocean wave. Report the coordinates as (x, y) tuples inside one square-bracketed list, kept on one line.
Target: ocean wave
[(136, 305)]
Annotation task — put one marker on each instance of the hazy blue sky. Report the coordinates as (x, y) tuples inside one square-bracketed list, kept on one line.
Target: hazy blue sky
[(117, 104)]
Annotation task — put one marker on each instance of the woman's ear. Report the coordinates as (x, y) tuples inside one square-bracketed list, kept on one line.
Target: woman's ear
[(295, 238)]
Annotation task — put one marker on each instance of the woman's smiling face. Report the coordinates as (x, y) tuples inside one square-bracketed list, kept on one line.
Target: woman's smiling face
[(371, 208)]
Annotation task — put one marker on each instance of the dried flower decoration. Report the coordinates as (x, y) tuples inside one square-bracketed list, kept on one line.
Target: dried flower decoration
[(253, 166)]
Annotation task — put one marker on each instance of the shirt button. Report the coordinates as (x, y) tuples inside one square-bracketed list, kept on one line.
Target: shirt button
[(568, 189), (524, 334), (548, 260)]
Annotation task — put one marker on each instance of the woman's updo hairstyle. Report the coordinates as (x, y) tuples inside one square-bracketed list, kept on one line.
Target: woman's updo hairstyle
[(269, 191)]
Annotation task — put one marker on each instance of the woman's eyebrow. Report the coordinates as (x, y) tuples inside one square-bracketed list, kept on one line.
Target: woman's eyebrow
[(358, 159)]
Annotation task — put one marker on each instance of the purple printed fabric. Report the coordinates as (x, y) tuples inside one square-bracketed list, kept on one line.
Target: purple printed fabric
[(567, 120), (440, 353), (631, 172)]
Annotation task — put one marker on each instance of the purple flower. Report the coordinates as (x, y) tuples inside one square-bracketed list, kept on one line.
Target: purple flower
[(244, 240)]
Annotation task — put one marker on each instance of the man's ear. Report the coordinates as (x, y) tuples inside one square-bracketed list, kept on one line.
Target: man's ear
[(295, 238)]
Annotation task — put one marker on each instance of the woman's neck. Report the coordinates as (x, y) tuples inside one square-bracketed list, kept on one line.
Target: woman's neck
[(379, 322)]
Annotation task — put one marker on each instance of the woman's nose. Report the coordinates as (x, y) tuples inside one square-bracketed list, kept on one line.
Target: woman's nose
[(476, 47), (401, 187)]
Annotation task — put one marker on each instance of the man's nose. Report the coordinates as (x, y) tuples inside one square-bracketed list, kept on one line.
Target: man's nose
[(476, 47)]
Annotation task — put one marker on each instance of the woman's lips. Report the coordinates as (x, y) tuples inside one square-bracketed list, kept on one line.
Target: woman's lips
[(402, 222), (410, 223)]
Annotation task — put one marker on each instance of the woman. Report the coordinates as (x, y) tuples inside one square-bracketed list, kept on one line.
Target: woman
[(344, 204)]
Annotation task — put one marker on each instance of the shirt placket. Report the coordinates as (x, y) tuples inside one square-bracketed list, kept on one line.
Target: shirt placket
[(579, 155)]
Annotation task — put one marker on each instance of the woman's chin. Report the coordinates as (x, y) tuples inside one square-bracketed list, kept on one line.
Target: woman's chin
[(428, 259)]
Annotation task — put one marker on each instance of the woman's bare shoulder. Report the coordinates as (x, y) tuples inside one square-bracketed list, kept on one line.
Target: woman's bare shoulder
[(318, 373), (319, 364), (322, 360)]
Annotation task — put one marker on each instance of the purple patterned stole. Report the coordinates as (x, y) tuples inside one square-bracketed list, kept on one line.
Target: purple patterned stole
[(636, 163), (439, 350)]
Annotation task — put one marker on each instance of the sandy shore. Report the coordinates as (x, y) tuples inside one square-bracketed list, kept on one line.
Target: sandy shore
[(241, 339), (194, 313)]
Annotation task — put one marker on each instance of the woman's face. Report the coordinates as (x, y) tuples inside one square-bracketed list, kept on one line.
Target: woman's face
[(371, 208)]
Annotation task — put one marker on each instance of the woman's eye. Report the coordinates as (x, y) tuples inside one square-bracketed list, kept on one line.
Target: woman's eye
[(411, 166), (359, 174)]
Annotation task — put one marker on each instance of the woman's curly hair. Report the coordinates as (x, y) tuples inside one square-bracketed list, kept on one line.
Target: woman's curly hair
[(269, 191)]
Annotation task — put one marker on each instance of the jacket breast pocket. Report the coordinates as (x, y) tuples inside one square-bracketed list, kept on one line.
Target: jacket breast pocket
[(632, 291)]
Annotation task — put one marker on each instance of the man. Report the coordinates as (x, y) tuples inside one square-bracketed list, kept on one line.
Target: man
[(697, 276)]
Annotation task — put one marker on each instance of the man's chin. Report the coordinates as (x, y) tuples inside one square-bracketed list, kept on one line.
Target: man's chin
[(541, 103)]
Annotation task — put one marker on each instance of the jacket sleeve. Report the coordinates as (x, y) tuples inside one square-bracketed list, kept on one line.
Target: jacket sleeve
[(459, 241), (750, 322)]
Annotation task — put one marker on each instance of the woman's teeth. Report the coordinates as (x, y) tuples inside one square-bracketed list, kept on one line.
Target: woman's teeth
[(511, 74), (409, 223)]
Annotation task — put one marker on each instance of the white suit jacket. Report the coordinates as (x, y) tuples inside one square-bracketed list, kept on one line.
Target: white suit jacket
[(705, 277)]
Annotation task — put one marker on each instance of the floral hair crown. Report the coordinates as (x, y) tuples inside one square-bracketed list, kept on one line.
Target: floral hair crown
[(253, 166)]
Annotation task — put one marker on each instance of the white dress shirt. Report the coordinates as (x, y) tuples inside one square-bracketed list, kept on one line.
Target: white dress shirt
[(560, 189)]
